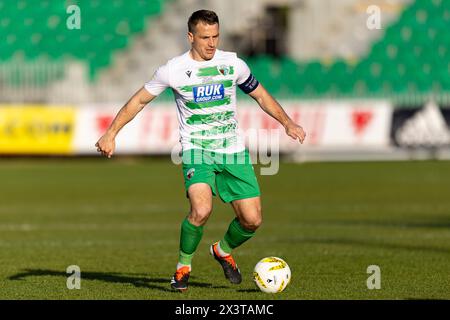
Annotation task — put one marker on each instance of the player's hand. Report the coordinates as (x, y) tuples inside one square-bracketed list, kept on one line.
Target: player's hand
[(295, 131), (106, 145)]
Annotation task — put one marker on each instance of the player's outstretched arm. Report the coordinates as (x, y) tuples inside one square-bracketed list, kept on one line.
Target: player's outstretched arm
[(106, 144), (274, 109)]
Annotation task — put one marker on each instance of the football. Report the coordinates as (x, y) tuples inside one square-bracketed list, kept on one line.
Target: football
[(272, 274)]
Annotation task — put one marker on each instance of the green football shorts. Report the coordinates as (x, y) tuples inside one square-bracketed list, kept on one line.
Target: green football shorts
[(233, 174)]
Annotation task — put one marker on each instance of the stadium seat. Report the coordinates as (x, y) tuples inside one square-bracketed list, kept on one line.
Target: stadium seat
[(39, 29), (412, 54), (413, 48)]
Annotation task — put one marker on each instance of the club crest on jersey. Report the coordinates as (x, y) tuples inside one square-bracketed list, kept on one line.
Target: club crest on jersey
[(190, 173), (224, 70), (208, 92)]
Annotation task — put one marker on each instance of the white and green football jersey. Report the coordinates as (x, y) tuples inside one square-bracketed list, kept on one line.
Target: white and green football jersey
[(205, 95)]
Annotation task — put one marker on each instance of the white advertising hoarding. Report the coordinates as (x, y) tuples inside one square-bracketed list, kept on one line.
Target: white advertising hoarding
[(329, 125)]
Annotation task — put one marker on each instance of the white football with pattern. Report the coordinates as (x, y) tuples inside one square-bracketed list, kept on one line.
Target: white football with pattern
[(272, 274)]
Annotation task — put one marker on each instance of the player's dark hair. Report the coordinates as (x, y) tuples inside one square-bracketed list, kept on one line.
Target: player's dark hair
[(205, 16)]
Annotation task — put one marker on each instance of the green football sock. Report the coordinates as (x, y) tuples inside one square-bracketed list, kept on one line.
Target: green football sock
[(185, 259), (189, 239), (235, 236)]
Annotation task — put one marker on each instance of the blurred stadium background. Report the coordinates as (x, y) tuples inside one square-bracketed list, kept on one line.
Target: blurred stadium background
[(361, 94), (388, 87)]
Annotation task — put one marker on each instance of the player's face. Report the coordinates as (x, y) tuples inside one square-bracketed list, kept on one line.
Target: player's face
[(204, 40)]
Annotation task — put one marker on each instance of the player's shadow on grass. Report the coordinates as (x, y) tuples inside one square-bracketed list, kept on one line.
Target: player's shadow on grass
[(140, 282)]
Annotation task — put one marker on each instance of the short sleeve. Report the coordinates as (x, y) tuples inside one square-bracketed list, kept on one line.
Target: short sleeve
[(242, 71), (244, 78), (159, 82)]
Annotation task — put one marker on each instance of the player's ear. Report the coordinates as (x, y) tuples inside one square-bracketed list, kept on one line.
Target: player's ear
[(190, 37)]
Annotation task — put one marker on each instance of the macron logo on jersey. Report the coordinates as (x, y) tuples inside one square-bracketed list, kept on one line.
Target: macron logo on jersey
[(209, 92)]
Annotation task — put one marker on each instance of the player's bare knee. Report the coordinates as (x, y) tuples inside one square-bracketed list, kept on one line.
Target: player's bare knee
[(252, 223), (199, 216)]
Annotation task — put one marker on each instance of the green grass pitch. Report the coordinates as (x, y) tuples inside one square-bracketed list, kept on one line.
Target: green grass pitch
[(119, 220)]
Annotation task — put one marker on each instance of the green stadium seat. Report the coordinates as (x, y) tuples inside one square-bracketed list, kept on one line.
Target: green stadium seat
[(314, 70), (39, 28), (412, 55), (6, 51)]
